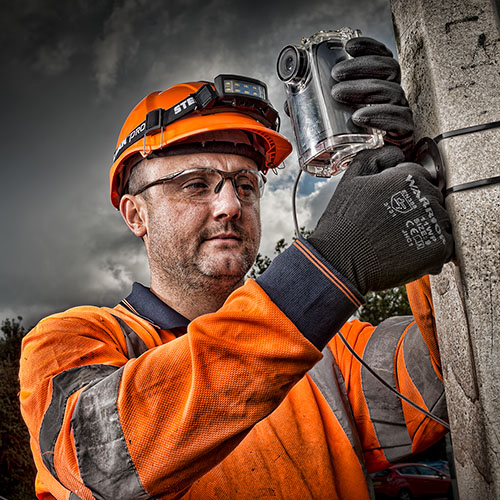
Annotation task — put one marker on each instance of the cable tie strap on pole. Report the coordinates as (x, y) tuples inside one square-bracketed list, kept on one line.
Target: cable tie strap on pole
[(473, 185), (464, 131)]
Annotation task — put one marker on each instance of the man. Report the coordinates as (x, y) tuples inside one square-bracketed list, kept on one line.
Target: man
[(205, 386)]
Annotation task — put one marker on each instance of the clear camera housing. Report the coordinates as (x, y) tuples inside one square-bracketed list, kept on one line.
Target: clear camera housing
[(326, 137)]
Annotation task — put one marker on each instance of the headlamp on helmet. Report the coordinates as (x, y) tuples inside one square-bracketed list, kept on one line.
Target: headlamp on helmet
[(165, 118)]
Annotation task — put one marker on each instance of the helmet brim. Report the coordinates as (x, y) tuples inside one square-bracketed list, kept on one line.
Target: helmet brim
[(277, 146)]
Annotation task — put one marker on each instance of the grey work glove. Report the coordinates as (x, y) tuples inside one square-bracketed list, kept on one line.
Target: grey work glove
[(373, 77), (385, 225)]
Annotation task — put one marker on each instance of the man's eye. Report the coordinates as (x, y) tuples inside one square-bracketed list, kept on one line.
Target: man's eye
[(246, 184), (195, 185)]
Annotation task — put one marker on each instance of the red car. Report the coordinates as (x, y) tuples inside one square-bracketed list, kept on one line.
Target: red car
[(408, 481)]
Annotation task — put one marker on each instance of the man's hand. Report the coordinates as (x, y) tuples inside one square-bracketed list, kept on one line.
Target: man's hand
[(385, 224), (373, 77)]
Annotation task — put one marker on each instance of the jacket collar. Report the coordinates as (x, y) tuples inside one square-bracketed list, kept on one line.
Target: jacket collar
[(143, 302)]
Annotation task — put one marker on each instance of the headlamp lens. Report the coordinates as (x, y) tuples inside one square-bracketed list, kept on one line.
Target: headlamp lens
[(233, 86)]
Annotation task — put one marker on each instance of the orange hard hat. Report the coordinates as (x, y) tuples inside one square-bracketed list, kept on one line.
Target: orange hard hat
[(162, 119)]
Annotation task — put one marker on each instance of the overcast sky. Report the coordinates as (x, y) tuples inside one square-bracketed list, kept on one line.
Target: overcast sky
[(71, 72)]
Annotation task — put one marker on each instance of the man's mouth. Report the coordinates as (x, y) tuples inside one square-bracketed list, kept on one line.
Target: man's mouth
[(225, 236)]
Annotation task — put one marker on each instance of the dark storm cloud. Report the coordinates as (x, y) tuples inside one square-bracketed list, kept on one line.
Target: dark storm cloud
[(135, 35), (48, 33), (71, 71)]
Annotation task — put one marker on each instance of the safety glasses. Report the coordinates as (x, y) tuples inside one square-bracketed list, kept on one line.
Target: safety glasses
[(203, 184)]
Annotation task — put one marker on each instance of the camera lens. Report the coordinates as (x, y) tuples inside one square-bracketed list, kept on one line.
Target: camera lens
[(292, 63)]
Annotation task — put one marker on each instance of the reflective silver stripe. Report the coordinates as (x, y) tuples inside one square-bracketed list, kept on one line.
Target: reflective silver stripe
[(135, 345), (332, 387), (63, 385), (328, 378), (419, 366), (72, 496), (384, 407), (103, 457)]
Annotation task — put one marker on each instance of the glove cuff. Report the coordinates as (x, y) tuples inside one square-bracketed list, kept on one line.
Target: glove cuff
[(345, 247)]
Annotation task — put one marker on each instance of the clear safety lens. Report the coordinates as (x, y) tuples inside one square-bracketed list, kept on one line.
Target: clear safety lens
[(201, 184)]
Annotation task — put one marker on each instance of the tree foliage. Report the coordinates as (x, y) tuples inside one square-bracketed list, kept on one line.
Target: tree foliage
[(385, 304), (262, 262), (379, 305), (17, 470)]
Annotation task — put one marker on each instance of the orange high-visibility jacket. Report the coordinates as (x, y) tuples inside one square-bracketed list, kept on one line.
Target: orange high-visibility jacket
[(256, 400)]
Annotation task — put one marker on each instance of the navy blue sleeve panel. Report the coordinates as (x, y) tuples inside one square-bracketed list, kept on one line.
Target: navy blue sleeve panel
[(315, 297)]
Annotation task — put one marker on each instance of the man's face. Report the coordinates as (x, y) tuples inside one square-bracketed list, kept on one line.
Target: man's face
[(195, 243)]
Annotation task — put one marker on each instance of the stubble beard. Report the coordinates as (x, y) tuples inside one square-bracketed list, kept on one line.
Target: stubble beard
[(191, 268)]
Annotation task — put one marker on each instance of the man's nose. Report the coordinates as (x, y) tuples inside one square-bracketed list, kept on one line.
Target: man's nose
[(226, 204)]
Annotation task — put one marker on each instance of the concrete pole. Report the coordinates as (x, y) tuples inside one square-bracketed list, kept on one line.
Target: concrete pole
[(449, 51)]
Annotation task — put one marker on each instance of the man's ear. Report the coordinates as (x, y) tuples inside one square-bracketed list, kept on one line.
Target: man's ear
[(134, 213)]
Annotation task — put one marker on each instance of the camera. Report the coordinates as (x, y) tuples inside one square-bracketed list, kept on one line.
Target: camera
[(326, 137)]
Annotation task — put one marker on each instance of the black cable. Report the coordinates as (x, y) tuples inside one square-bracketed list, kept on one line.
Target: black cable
[(349, 348), (294, 207), (395, 391)]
